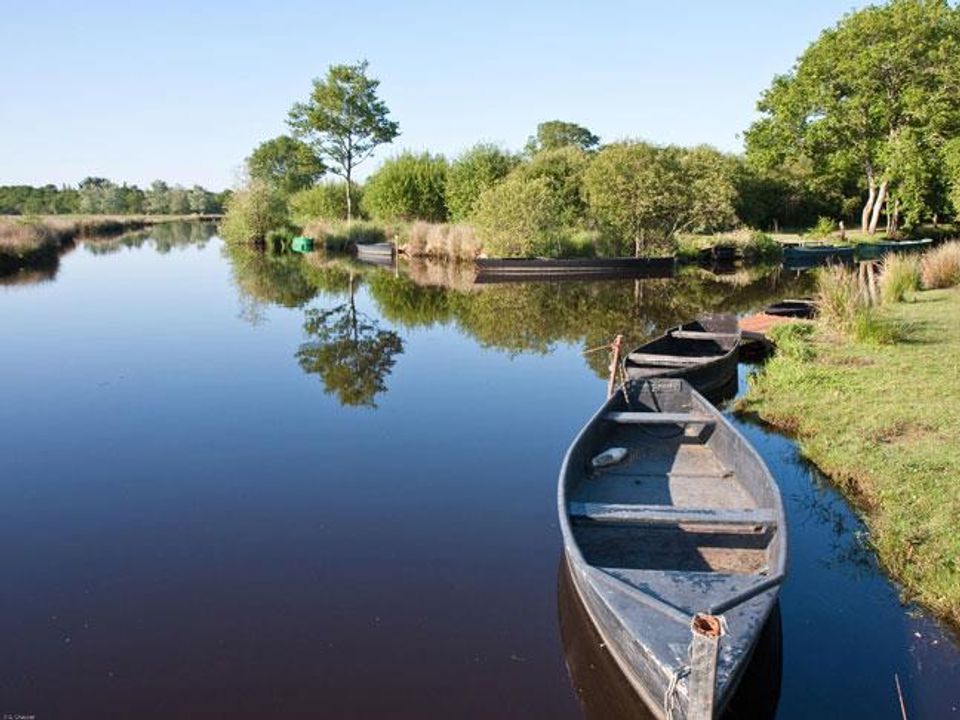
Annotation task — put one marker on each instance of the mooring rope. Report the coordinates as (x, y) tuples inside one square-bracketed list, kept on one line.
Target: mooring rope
[(671, 695)]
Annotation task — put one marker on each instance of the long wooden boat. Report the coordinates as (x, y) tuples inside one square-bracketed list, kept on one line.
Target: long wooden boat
[(875, 251), (804, 256), (679, 550), (526, 269), (704, 352)]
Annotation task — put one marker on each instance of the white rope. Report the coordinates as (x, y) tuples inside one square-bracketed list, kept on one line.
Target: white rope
[(671, 695)]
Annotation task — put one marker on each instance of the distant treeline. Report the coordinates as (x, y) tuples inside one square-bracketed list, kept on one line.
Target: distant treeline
[(99, 196)]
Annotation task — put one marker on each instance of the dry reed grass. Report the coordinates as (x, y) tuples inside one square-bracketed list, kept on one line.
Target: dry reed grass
[(940, 267), (442, 241)]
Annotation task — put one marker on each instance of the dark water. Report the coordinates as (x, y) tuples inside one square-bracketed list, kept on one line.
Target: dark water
[(235, 485)]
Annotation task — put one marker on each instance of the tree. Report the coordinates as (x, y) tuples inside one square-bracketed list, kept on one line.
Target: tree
[(646, 194), (344, 120), (883, 77), (555, 134), (157, 198), (476, 170), (286, 163), (351, 353), (563, 168), (252, 212), (408, 187), (179, 200), (326, 201), (200, 200), (520, 217)]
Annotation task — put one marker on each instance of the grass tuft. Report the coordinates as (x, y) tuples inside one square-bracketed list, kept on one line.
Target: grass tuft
[(940, 267), (899, 277)]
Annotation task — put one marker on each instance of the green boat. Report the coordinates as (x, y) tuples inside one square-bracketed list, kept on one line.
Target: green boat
[(875, 251), (302, 244)]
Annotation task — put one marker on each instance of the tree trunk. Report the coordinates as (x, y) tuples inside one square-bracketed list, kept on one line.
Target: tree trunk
[(638, 243), (349, 199), (868, 207), (878, 207)]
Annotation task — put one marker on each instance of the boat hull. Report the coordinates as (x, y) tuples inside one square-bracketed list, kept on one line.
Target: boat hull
[(801, 257), (492, 270)]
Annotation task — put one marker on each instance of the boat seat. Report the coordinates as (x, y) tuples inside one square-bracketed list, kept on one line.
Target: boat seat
[(658, 418), (669, 360), (702, 335), (623, 514)]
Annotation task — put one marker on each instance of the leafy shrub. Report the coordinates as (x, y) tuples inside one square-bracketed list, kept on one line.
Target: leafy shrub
[(899, 276), (519, 218), (326, 201), (563, 169), (475, 171), (824, 228), (408, 187), (761, 246), (342, 235), (793, 340), (252, 212), (940, 267)]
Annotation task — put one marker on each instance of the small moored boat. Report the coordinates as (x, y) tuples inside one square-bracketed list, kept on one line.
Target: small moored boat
[(804, 256), (792, 308), (875, 251), (375, 250), (703, 352), (302, 244), (678, 551), (533, 269)]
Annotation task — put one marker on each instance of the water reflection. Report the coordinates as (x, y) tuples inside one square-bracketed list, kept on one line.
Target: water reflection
[(349, 350), (530, 317)]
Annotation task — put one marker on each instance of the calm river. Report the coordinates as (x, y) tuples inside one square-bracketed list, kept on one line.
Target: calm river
[(236, 485)]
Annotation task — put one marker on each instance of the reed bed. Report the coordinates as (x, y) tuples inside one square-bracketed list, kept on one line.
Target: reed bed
[(845, 311), (940, 267), (899, 278), (442, 241)]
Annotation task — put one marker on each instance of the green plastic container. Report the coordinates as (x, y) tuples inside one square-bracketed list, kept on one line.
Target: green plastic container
[(302, 244)]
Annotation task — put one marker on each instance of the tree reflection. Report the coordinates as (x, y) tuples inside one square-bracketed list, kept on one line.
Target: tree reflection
[(350, 352)]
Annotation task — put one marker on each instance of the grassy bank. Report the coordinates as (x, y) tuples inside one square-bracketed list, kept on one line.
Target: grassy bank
[(883, 420), (27, 239)]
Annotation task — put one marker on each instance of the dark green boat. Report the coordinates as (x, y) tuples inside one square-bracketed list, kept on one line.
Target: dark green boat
[(302, 244), (875, 251)]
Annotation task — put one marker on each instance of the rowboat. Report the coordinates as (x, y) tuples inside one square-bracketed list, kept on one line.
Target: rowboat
[(679, 550), (703, 352), (805, 256), (792, 308), (875, 251), (490, 270), (301, 244), (375, 251)]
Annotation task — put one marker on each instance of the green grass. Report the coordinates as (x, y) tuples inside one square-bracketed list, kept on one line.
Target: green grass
[(884, 422)]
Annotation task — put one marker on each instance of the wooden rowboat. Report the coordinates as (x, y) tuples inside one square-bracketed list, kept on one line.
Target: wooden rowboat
[(679, 550), (375, 251), (703, 352), (806, 256), (875, 251)]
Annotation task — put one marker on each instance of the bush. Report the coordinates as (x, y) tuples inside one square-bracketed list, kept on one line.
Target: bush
[(452, 242), (408, 187), (326, 201), (940, 267), (823, 229), (761, 246), (342, 235), (563, 169), (793, 340), (899, 276), (519, 218), (252, 212), (474, 172)]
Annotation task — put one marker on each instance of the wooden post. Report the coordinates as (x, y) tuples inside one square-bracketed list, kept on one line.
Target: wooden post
[(614, 364), (704, 650)]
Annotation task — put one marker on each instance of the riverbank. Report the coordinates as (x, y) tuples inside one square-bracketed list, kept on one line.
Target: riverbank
[(25, 240), (883, 421)]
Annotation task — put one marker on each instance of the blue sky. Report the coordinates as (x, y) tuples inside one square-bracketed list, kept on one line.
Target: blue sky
[(183, 91)]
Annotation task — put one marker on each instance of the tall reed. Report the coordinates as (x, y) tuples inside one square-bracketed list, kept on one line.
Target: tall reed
[(940, 267), (899, 277)]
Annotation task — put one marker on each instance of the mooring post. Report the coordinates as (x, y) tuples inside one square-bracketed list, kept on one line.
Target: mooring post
[(704, 650), (614, 364)]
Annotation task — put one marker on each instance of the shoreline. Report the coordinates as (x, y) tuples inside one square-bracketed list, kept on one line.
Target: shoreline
[(879, 422)]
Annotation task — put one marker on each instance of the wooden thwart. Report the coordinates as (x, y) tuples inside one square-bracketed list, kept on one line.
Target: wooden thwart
[(667, 360), (669, 515), (697, 335), (656, 418)]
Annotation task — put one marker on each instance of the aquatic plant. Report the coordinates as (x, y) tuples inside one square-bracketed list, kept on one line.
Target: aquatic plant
[(940, 267)]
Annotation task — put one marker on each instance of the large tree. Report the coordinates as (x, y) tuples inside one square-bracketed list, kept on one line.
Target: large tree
[(872, 97), (344, 120), (555, 134), (286, 163)]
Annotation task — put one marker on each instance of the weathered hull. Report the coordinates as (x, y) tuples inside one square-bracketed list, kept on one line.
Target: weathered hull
[(792, 308), (713, 377), (654, 541), (375, 251), (800, 257), (494, 270), (875, 251)]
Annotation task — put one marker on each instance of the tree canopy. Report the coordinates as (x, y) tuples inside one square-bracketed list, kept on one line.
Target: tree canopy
[(344, 120), (408, 187), (555, 134), (286, 163), (874, 97), (479, 168)]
